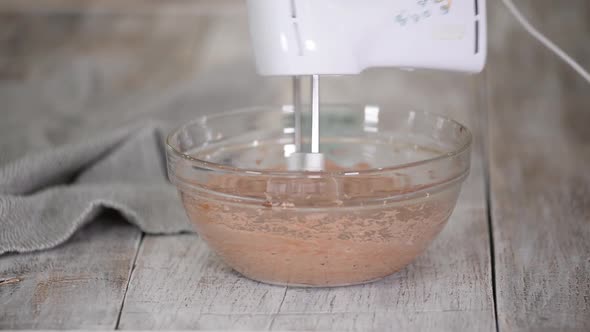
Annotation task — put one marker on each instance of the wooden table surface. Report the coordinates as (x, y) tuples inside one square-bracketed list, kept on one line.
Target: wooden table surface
[(515, 255)]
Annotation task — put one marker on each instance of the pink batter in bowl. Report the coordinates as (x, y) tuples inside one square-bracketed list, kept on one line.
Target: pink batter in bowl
[(391, 182)]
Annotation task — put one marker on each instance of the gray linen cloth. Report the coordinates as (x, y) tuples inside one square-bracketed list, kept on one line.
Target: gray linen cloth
[(62, 164), (46, 197)]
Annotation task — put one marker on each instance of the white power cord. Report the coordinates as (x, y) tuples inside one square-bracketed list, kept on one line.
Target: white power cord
[(545, 41)]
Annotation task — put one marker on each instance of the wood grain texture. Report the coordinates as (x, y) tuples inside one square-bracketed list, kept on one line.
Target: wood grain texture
[(539, 111), (78, 285), (178, 284)]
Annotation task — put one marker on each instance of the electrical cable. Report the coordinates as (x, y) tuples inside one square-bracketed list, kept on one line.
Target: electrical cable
[(546, 41)]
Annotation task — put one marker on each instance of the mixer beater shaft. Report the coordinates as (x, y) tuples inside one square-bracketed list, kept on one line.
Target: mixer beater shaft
[(302, 161), (315, 114), (297, 111)]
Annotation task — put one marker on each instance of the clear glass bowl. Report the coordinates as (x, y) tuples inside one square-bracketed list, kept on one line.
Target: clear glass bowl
[(391, 183)]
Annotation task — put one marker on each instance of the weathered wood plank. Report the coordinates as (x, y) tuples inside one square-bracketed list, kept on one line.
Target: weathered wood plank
[(180, 284), (385, 321), (78, 285), (539, 157)]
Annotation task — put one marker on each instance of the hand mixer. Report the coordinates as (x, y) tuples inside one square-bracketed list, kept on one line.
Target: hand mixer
[(340, 37)]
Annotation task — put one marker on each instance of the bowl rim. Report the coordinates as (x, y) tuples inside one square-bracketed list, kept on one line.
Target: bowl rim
[(221, 168)]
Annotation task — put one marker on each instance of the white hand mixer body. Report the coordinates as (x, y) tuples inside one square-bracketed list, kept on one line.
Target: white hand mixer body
[(307, 37), (339, 37)]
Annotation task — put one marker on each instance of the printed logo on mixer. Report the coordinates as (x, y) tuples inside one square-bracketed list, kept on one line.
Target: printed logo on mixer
[(423, 9)]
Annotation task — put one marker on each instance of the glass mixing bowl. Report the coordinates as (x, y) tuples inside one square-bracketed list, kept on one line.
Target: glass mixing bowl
[(391, 182)]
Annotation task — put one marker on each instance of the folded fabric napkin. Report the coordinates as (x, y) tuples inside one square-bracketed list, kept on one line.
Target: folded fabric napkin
[(47, 196)]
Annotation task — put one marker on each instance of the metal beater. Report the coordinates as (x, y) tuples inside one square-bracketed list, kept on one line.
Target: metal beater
[(313, 160)]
